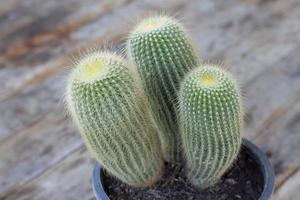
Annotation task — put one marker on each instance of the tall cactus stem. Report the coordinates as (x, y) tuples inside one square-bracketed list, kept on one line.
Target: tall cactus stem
[(112, 115), (163, 53), (211, 122)]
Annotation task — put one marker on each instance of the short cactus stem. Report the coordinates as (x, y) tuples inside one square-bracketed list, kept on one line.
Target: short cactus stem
[(113, 119), (211, 121), (163, 54)]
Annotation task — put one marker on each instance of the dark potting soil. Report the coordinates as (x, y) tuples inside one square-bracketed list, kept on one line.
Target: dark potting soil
[(243, 181)]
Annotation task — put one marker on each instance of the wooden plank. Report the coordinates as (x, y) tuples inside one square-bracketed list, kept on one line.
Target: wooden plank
[(290, 190), (272, 114), (49, 22), (28, 154), (274, 39), (70, 179), (42, 53), (275, 85), (268, 95), (277, 132), (31, 106), (232, 29), (281, 141)]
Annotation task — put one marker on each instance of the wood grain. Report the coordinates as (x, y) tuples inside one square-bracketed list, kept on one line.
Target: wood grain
[(70, 179), (290, 190), (42, 155)]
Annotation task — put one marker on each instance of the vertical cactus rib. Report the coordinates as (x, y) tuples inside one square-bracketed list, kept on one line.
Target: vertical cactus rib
[(210, 119), (163, 54), (112, 116)]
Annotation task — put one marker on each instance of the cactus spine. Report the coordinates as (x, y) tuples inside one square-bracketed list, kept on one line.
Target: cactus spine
[(163, 54), (211, 120), (113, 120)]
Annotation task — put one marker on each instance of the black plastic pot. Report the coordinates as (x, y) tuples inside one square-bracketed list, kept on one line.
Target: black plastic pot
[(261, 159)]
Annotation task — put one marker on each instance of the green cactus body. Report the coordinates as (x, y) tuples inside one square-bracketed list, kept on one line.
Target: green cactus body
[(163, 54), (211, 121), (113, 119)]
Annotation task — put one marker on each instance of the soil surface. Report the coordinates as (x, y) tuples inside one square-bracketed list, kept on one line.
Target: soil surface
[(243, 181)]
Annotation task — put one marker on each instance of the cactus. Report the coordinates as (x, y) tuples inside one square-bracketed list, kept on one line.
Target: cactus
[(211, 121), (163, 54), (112, 117)]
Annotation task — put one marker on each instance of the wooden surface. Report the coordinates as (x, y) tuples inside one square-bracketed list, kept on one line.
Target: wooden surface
[(41, 153)]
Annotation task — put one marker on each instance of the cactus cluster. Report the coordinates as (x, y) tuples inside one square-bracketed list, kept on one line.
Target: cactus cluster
[(160, 105), (210, 119), (163, 54), (110, 113)]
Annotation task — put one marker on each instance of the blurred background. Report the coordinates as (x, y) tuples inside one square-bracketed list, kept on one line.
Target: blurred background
[(41, 153)]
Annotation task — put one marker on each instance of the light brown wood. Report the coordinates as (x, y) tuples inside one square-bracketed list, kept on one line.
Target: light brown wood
[(41, 152), (290, 190), (69, 179), (29, 153)]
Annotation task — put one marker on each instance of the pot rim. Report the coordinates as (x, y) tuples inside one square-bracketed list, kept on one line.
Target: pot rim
[(265, 168), (259, 156)]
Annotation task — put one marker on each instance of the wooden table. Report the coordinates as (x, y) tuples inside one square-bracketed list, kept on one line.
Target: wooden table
[(42, 155)]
